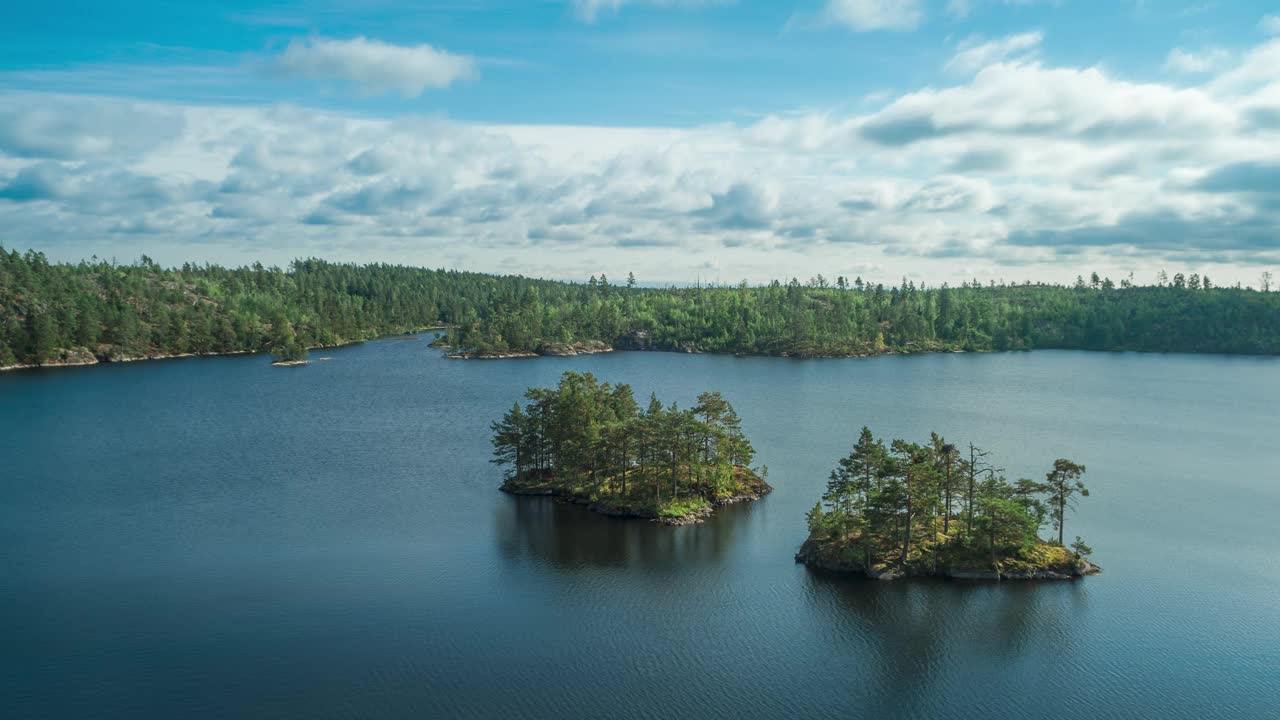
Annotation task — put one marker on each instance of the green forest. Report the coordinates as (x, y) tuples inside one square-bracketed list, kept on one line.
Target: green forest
[(54, 313), (819, 318), (935, 508), (591, 442), (51, 312)]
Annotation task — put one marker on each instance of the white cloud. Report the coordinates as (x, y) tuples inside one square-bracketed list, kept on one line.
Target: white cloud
[(961, 9), (374, 66), (1019, 170), (55, 128), (1029, 100), (1270, 24), (591, 10), (1192, 62), (974, 54), (868, 15)]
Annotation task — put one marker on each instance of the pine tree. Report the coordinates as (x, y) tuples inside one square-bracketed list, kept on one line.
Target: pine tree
[(1062, 484)]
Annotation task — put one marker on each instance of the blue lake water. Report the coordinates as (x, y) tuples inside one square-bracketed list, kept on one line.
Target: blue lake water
[(218, 538)]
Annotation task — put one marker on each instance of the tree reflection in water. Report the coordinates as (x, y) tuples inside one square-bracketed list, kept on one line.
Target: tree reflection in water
[(927, 632), (570, 537)]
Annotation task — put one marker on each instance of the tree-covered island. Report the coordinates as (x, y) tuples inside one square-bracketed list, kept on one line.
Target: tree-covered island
[(911, 509), (590, 442)]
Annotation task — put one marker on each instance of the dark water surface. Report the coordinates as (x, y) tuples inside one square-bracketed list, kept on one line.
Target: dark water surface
[(217, 538)]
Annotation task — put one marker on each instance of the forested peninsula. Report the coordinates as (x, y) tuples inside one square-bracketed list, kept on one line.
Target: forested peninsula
[(911, 509), (98, 310), (589, 442)]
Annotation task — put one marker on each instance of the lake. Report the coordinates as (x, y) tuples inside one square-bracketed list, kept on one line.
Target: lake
[(218, 538)]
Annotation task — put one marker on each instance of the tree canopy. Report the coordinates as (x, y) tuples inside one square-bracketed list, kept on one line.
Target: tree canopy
[(140, 309), (919, 506), (592, 441)]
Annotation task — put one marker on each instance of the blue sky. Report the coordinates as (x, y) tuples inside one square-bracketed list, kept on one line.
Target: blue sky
[(541, 62), (937, 138)]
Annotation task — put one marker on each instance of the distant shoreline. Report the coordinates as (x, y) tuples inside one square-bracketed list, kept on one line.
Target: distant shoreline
[(82, 357)]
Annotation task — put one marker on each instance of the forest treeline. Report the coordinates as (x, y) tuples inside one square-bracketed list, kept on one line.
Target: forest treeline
[(141, 309), (918, 507), (50, 310), (819, 318), (591, 441)]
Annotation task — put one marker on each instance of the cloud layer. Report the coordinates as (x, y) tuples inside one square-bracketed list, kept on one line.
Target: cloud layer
[(591, 10), (868, 15), (1019, 169), (372, 66)]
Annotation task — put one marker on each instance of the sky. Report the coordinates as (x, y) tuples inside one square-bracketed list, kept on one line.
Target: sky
[(681, 140)]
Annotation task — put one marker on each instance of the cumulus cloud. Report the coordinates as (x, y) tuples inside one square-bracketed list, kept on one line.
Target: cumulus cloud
[(43, 126), (743, 206), (975, 54), (373, 66), (1015, 164), (1249, 176), (961, 9), (869, 15), (590, 10), (1028, 99), (950, 194), (1270, 24), (1197, 61), (42, 181)]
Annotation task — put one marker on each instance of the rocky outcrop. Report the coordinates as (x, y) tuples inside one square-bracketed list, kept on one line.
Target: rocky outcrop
[(106, 353), (588, 347), (491, 355), (637, 340), (831, 557), (70, 357)]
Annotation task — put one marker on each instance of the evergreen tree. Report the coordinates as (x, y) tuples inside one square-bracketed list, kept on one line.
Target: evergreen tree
[(894, 504), (588, 434), (1063, 484), (144, 309)]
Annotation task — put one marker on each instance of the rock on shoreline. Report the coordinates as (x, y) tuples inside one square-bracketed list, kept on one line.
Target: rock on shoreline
[(825, 556), (589, 347), (105, 354)]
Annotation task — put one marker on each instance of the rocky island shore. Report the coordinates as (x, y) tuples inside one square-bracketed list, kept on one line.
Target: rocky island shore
[(590, 443), (745, 485), (1040, 562), (904, 509)]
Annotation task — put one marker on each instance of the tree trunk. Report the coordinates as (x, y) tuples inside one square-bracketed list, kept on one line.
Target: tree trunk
[(968, 531), (906, 536), (946, 511), (1062, 514), (519, 459)]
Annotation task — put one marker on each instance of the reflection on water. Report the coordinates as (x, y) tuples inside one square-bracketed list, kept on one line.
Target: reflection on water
[(569, 537), (926, 631)]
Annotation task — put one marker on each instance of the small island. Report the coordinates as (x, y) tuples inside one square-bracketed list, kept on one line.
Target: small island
[(590, 443), (932, 509)]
